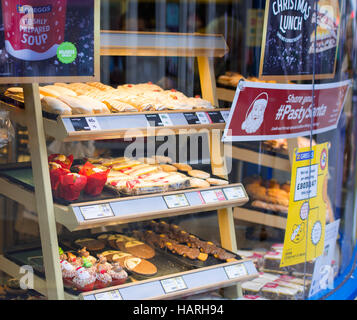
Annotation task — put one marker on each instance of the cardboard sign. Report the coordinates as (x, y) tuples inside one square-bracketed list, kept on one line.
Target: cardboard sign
[(299, 42), (264, 111), (305, 226), (49, 41)]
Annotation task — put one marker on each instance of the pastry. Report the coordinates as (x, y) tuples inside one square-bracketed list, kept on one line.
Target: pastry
[(90, 244), (167, 168), (216, 182), (182, 166), (78, 106), (68, 272), (49, 92), (55, 106), (96, 105), (140, 266), (84, 280), (199, 174), (162, 159), (199, 183), (139, 249), (118, 274), (60, 90)]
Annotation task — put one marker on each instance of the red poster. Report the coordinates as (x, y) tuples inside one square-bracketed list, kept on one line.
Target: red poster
[(264, 111)]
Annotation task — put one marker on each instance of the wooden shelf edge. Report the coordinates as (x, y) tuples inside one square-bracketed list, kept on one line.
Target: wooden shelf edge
[(261, 159), (259, 218)]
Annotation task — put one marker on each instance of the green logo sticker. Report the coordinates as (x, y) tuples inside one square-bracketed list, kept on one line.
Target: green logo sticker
[(67, 52)]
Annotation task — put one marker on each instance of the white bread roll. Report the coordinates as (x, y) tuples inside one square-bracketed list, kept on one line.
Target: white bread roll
[(98, 107), (49, 92), (62, 90), (56, 106), (78, 106)]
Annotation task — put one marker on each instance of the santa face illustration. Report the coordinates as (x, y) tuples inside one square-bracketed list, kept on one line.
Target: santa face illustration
[(255, 118)]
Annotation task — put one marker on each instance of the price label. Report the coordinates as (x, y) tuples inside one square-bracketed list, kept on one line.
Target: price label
[(80, 124), (192, 118), (165, 119), (234, 193), (173, 284), (96, 211), (176, 201), (154, 120), (235, 271), (93, 123), (225, 115), (110, 295), (215, 116), (212, 196), (203, 118)]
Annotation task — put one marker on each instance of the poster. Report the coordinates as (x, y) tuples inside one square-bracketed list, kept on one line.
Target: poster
[(305, 226), (48, 40), (265, 111), (291, 29), (323, 276)]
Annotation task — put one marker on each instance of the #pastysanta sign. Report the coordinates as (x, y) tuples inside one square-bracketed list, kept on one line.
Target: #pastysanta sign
[(264, 111)]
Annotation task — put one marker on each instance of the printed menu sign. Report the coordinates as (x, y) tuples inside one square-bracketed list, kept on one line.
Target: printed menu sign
[(305, 226), (48, 40), (296, 30), (265, 111)]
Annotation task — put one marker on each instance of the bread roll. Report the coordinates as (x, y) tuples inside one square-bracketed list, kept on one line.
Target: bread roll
[(61, 90), (47, 92), (98, 107), (56, 106), (78, 106)]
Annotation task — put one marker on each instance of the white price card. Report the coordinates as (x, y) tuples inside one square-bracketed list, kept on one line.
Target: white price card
[(173, 284), (97, 211), (212, 196), (225, 115), (93, 123), (109, 295), (234, 193), (202, 116), (165, 119), (235, 271), (176, 201)]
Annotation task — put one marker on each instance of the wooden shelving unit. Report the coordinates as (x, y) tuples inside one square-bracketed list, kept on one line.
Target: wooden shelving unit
[(122, 210)]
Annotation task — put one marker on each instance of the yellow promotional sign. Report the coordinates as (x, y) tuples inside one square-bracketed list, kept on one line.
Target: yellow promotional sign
[(305, 227)]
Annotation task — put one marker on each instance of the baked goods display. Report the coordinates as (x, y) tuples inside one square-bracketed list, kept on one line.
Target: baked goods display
[(268, 194), (173, 238), (232, 79), (98, 98), (123, 175), (282, 144)]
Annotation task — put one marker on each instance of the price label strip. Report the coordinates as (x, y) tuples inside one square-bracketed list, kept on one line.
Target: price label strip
[(192, 118), (212, 196), (154, 120), (215, 116), (80, 124), (225, 115), (173, 284), (109, 295), (235, 271), (176, 201), (203, 118), (93, 123), (165, 119), (96, 211), (234, 193)]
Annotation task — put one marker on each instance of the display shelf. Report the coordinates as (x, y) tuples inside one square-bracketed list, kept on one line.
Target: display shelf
[(261, 158), (119, 210), (225, 94), (179, 284), (126, 125), (165, 287), (259, 217), (16, 271)]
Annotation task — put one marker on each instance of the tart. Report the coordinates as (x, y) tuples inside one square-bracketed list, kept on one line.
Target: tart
[(140, 266), (91, 244), (139, 249)]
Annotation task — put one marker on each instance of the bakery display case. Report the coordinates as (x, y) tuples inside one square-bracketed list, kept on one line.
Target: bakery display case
[(136, 189), (200, 149)]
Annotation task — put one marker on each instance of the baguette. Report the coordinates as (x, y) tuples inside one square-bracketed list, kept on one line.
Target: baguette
[(56, 106), (77, 105), (115, 105)]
